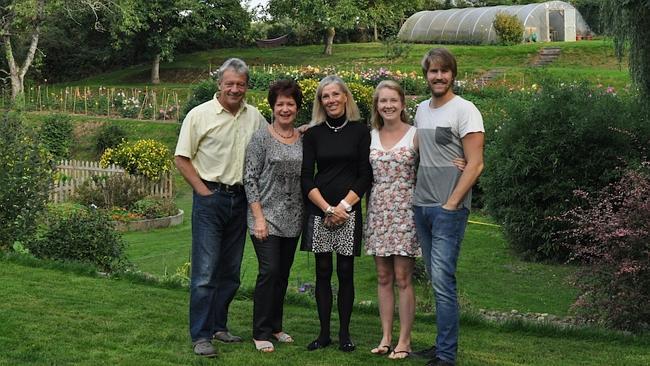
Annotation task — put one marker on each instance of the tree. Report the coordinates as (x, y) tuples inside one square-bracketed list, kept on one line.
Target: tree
[(158, 28), (22, 21), (324, 15), (388, 14), (627, 21), (162, 25)]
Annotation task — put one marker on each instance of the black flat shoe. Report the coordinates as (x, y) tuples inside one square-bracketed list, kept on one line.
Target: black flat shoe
[(317, 344), (428, 353), (347, 346)]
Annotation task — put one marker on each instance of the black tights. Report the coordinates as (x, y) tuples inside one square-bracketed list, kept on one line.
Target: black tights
[(345, 298)]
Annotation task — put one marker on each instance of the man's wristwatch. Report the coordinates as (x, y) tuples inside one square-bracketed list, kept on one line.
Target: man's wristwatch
[(348, 207), (329, 211)]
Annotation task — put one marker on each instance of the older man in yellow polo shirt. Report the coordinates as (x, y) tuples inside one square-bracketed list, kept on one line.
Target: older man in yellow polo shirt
[(210, 155)]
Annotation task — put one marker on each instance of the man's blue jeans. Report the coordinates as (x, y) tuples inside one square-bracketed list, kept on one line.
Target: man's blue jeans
[(440, 233), (218, 236)]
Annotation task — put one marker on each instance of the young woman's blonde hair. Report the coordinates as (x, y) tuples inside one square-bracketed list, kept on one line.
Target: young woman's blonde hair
[(375, 119), (318, 114)]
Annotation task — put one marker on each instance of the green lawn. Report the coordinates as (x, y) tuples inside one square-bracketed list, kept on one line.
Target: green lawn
[(56, 316), (489, 276)]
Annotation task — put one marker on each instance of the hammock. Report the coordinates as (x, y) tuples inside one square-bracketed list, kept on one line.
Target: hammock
[(274, 42)]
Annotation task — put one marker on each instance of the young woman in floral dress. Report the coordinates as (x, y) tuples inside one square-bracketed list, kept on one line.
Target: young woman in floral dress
[(390, 225)]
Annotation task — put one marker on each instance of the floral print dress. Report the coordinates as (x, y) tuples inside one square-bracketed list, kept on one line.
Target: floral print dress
[(390, 226)]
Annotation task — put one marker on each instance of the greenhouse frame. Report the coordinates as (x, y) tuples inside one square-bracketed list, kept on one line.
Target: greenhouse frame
[(544, 22)]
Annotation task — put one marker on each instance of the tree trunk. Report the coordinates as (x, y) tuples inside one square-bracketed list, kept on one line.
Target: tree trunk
[(155, 70), (376, 32), (17, 86), (17, 72), (329, 41)]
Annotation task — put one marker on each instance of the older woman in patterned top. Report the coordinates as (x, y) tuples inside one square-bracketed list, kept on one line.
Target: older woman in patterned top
[(272, 182)]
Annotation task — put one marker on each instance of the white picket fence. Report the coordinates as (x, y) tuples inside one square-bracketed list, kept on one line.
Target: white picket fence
[(75, 172)]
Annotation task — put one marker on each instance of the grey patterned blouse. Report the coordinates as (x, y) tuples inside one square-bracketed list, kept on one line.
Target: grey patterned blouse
[(272, 178)]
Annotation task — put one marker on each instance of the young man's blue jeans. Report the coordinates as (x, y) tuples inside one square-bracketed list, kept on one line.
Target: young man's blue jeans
[(440, 233), (218, 236)]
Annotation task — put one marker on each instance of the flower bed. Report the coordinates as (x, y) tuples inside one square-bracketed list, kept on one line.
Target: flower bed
[(149, 224)]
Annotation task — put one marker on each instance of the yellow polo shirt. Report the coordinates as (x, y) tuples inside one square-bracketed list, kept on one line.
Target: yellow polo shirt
[(215, 140)]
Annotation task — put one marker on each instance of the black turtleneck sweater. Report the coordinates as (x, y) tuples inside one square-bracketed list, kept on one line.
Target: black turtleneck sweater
[(336, 162)]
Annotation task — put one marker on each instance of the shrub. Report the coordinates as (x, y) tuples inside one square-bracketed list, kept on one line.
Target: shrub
[(308, 88), (25, 177), (148, 158), (154, 207), (76, 233), (199, 93), (363, 96), (395, 48), (508, 28), (111, 191), (56, 134), (109, 136), (610, 235), (547, 144)]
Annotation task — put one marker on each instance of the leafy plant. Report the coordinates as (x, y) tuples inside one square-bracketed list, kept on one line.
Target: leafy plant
[(109, 136), (610, 236), (363, 96), (56, 134), (199, 93), (545, 144), (76, 233), (154, 207), (508, 28), (104, 192), (148, 158), (25, 177), (395, 48)]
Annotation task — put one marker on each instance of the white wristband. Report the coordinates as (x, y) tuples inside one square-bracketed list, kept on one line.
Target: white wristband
[(346, 205)]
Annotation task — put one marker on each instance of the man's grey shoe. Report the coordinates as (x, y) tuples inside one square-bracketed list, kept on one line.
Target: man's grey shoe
[(204, 348), (226, 337)]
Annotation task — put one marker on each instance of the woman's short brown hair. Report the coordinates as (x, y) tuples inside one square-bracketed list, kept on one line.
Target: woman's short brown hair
[(287, 88)]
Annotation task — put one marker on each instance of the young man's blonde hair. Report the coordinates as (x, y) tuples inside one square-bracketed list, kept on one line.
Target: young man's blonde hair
[(376, 120), (318, 114)]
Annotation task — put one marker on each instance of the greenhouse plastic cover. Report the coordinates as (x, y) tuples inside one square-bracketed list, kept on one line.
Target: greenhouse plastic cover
[(474, 25)]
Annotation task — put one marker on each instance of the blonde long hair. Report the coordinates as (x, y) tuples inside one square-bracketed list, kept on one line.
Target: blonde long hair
[(375, 119), (318, 114)]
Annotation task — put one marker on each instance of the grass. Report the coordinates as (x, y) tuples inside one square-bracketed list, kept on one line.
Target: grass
[(485, 266), (58, 316)]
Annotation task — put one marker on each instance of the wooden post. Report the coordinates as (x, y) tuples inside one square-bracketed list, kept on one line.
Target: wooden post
[(108, 102), (178, 113), (154, 100)]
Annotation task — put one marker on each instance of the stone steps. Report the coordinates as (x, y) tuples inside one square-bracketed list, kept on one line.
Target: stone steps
[(489, 76), (545, 56)]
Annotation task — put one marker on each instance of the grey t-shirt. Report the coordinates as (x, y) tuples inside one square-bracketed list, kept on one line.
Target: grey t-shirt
[(272, 178), (440, 131)]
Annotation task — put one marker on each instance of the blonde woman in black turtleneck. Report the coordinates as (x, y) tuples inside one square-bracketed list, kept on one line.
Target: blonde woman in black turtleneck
[(335, 174)]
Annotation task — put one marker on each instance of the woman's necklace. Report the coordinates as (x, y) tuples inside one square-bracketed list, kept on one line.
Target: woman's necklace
[(336, 129), (281, 135)]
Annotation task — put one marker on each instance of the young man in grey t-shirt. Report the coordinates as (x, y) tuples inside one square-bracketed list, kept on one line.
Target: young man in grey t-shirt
[(448, 127)]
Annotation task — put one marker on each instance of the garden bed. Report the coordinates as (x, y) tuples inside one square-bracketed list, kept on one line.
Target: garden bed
[(150, 224)]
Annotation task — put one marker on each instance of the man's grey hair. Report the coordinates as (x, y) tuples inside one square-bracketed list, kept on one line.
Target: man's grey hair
[(235, 64)]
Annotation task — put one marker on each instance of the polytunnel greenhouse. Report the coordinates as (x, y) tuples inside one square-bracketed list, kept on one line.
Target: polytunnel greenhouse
[(544, 22)]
